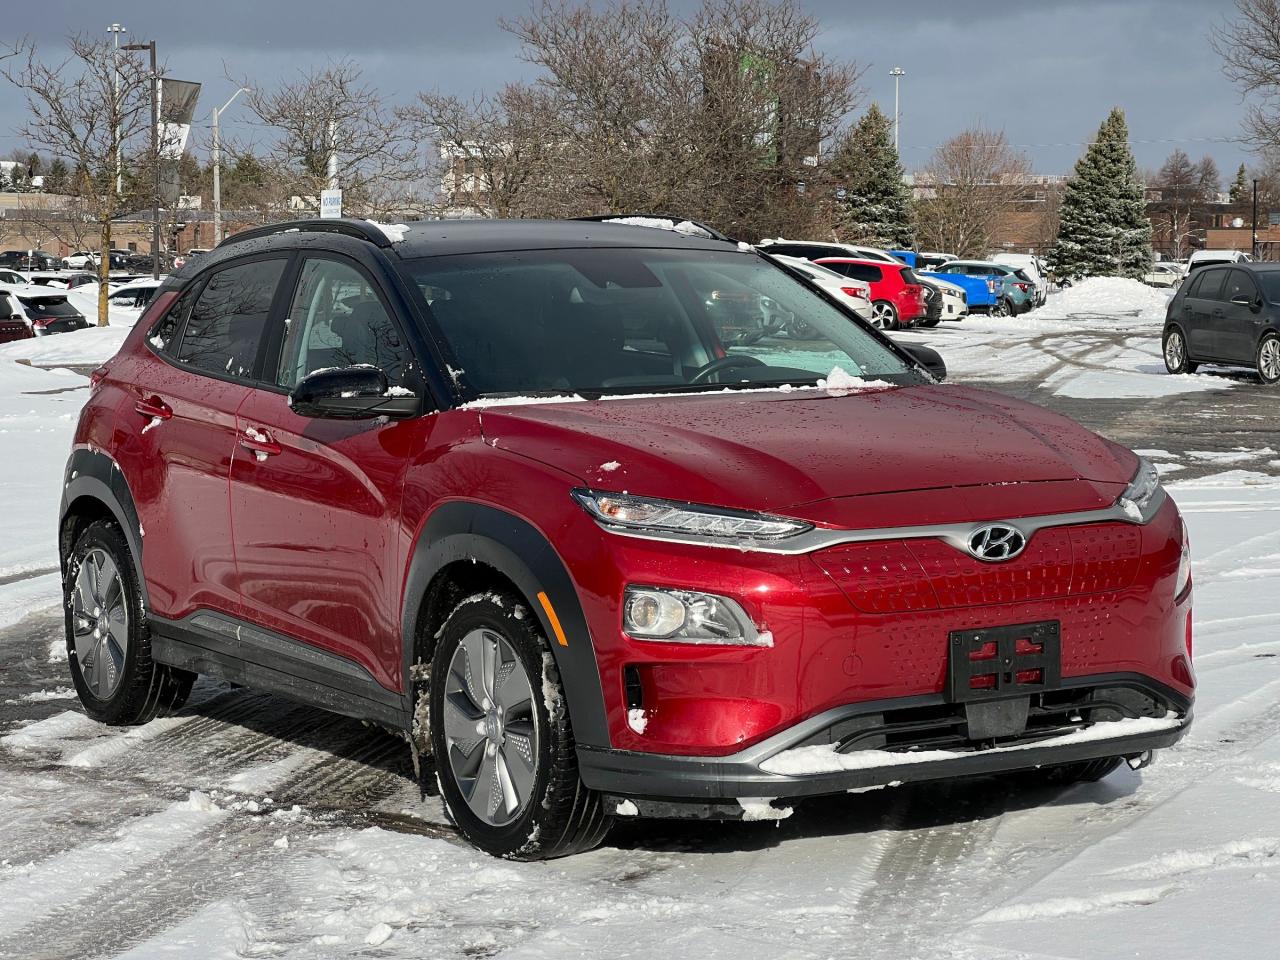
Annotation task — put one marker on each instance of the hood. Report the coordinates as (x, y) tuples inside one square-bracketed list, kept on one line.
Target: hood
[(772, 451)]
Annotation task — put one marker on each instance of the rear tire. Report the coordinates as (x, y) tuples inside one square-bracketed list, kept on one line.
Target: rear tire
[(1267, 360), (1001, 308), (884, 315), (108, 640), (1176, 358), (505, 757)]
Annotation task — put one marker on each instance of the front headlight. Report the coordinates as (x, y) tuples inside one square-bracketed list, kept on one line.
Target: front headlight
[(688, 616), (1143, 497), (622, 511)]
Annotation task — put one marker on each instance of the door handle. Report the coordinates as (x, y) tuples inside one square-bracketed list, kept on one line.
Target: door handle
[(260, 442), (154, 408), (1219, 312)]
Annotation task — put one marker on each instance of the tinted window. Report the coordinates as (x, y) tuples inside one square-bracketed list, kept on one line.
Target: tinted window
[(1209, 286), (337, 320), (163, 336), (1239, 284), (1271, 285), (858, 271), (7, 307), (228, 319), (49, 306)]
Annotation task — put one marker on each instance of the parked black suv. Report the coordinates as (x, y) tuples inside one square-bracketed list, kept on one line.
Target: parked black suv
[(29, 260), (1226, 315)]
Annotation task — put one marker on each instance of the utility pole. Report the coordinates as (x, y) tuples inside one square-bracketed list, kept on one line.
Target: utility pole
[(217, 168), (333, 155), (1254, 251), (115, 30), (155, 154), (897, 73)]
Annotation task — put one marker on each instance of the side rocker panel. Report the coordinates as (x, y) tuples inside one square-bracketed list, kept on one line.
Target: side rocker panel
[(470, 531), (94, 475)]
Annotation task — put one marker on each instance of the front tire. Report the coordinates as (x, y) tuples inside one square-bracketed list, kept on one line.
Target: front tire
[(505, 756), (884, 315), (108, 640), (1267, 360), (1176, 358)]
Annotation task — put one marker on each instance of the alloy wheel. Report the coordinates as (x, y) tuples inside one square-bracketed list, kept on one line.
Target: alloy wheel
[(490, 727), (1175, 351), (1269, 359), (100, 623), (882, 315)]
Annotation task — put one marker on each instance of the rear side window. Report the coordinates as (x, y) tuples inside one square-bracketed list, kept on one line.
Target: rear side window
[(1209, 285), (229, 317), (909, 276), (163, 336)]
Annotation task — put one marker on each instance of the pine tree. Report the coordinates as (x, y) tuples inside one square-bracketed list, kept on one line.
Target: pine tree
[(1239, 186), (57, 180), (1104, 230), (876, 208)]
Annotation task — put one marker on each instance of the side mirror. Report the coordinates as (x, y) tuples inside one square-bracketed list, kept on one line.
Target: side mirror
[(928, 358), (351, 393)]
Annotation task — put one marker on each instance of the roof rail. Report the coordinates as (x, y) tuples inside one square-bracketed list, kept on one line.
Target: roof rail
[(348, 227), (674, 218)]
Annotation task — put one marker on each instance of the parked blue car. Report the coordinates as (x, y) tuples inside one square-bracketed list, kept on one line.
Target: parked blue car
[(983, 293), (1009, 291)]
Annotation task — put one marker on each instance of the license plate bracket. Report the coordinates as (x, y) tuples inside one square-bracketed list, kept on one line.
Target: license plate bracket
[(1010, 661)]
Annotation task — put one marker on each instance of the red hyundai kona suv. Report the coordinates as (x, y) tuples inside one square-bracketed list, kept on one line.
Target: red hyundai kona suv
[(898, 298), (526, 493)]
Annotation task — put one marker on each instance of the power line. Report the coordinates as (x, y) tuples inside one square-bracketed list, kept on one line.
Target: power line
[(1090, 143)]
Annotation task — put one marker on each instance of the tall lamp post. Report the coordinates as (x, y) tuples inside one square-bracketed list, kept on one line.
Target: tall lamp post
[(115, 30), (897, 73), (217, 168), (1254, 250), (155, 153)]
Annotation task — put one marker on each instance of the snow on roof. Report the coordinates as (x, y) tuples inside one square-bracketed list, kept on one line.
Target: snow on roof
[(687, 227)]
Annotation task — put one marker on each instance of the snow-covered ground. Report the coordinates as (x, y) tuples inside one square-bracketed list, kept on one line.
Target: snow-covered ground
[(248, 827)]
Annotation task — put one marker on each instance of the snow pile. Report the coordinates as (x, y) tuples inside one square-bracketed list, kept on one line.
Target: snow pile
[(762, 808), (840, 383), (80, 347), (688, 228), (1111, 296), (395, 232)]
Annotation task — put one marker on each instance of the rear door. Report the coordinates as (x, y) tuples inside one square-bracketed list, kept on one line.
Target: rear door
[(316, 504), (1201, 312), (185, 391)]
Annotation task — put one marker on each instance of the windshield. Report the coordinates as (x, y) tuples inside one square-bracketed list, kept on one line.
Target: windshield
[(626, 320)]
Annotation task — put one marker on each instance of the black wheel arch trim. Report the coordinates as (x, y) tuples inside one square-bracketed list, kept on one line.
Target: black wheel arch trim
[(464, 530), (94, 475)]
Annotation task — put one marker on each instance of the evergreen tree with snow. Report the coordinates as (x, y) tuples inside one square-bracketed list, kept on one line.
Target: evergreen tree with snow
[(1239, 186), (876, 206), (1104, 230)]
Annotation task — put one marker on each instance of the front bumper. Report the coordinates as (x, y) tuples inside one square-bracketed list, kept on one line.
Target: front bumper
[(807, 759)]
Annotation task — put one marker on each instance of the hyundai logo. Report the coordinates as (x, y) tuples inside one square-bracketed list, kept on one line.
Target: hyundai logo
[(996, 542)]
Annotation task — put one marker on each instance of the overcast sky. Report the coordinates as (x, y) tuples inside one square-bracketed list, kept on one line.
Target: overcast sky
[(1044, 71)]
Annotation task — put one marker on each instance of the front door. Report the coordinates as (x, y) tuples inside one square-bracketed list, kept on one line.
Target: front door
[(316, 504), (1241, 322)]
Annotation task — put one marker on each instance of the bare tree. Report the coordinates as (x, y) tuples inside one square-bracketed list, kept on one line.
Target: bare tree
[(77, 110), (498, 153), (1249, 47), (722, 116), (974, 177), (325, 116)]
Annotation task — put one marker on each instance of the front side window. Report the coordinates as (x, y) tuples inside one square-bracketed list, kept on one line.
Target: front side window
[(228, 319), (337, 320), (623, 320), (1239, 286)]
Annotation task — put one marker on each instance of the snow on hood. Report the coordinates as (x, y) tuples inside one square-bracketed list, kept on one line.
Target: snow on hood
[(771, 451)]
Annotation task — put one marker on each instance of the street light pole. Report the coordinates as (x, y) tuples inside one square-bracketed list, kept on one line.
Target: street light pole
[(115, 30), (1254, 251), (155, 154), (897, 73), (217, 169)]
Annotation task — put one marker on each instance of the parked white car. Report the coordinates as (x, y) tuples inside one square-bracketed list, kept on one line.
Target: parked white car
[(80, 260), (1164, 274), (854, 292), (1205, 258), (955, 302), (10, 278), (817, 249), (1032, 266)]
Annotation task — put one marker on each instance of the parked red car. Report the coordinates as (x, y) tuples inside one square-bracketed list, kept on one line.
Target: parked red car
[(898, 299), (505, 488)]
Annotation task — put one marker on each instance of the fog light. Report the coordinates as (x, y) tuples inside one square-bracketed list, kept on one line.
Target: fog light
[(688, 616), (652, 613)]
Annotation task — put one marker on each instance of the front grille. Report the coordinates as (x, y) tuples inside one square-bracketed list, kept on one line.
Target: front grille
[(906, 576)]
